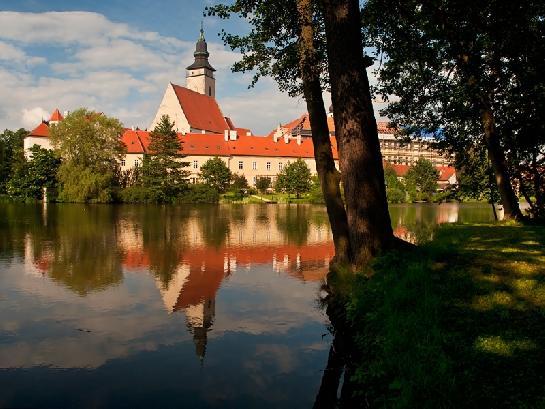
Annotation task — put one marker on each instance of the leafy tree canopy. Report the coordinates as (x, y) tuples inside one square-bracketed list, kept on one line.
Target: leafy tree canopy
[(215, 173), (421, 180), (294, 178), (11, 154)]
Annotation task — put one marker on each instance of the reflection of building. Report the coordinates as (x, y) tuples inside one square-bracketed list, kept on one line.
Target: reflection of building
[(205, 133)]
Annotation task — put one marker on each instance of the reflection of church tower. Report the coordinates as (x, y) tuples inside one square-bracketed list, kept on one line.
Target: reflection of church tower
[(200, 74), (199, 321)]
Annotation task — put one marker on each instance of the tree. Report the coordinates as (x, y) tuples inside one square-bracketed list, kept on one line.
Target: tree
[(461, 70), (421, 180), (262, 184), (294, 178), (163, 171), (32, 176), (239, 182), (356, 131), (11, 154), (215, 173), (293, 52), (90, 148), (395, 191)]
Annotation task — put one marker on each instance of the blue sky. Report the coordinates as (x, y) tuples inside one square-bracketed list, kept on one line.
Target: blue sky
[(117, 56)]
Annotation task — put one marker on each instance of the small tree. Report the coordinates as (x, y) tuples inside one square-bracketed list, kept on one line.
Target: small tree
[(215, 173), (239, 182), (31, 177), (162, 171), (11, 154), (421, 180), (395, 191), (294, 178), (262, 184)]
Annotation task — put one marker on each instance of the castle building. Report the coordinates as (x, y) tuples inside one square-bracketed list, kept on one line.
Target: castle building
[(205, 133)]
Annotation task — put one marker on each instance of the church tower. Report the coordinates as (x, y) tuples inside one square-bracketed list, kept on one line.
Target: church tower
[(200, 74)]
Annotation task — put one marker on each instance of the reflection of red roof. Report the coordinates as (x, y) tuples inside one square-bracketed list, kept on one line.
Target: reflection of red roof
[(41, 130), (56, 116), (136, 259), (201, 111)]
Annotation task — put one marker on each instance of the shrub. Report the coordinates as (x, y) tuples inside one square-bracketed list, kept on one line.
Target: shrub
[(199, 193)]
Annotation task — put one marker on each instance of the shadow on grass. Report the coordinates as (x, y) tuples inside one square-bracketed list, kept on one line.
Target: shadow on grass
[(459, 323), (492, 289)]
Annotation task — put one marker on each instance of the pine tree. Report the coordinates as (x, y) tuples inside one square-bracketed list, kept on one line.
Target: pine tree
[(163, 171)]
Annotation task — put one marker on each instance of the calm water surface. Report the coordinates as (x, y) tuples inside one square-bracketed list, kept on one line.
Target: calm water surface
[(150, 306)]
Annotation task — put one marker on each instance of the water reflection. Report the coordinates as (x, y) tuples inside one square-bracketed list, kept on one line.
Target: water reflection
[(98, 286)]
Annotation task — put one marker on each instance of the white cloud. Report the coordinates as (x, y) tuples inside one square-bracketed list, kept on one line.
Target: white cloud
[(32, 117)]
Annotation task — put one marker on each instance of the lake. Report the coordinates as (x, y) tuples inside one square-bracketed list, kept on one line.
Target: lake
[(172, 307)]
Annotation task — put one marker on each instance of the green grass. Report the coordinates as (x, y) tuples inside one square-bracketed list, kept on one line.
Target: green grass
[(458, 323)]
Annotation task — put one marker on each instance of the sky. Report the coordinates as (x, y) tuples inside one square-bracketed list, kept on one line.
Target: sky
[(117, 57)]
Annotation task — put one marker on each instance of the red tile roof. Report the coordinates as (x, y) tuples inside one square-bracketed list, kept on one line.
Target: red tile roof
[(41, 130), (201, 111), (56, 115), (303, 122), (445, 173)]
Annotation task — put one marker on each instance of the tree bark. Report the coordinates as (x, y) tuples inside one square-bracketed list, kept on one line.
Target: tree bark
[(499, 165), (356, 132), (325, 163)]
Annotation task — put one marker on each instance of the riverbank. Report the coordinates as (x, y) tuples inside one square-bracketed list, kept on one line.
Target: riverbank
[(458, 323)]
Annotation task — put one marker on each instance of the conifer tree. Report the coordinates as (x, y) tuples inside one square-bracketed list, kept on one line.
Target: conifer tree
[(163, 170)]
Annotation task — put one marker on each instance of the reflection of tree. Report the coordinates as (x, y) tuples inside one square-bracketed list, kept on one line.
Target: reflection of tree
[(163, 230), (214, 224), (84, 256), (293, 222)]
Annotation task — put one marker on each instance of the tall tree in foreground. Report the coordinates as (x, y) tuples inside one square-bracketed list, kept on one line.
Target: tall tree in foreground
[(464, 68), (292, 51), (356, 131)]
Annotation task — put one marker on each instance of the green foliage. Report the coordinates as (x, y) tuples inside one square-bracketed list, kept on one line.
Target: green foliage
[(215, 173), (294, 178), (163, 172), (395, 190), (199, 193), (262, 184), (137, 194), (89, 139), (11, 155), (316, 195), (30, 177), (421, 180), (90, 147), (475, 176), (82, 184), (239, 183)]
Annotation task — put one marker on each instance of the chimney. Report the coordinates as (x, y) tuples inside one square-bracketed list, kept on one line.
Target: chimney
[(286, 138), (226, 135), (233, 135), (299, 139)]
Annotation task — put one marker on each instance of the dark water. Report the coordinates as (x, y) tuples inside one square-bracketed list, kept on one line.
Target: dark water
[(163, 307)]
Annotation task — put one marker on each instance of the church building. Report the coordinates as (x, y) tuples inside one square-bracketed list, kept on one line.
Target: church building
[(205, 132)]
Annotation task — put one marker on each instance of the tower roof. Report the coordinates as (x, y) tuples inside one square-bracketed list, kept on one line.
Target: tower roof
[(56, 116), (201, 54)]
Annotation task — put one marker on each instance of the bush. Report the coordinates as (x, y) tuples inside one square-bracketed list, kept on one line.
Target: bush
[(199, 193), (84, 185), (137, 194)]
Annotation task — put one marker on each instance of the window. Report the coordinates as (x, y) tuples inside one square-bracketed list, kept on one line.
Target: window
[(268, 165), (255, 179), (136, 163), (195, 164), (280, 165), (254, 165), (122, 162), (240, 164), (209, 91)]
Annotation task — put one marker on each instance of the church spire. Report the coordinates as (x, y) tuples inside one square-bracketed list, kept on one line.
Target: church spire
[(201, 53)]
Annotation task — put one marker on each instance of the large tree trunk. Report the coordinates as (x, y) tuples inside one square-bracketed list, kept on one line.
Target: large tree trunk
[(325, 164), (497, 159), (356, 131)]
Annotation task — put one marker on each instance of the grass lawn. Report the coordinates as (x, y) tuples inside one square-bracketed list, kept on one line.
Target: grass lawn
[(458, 323)]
